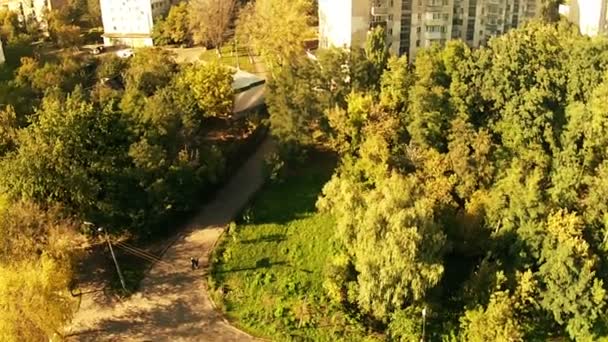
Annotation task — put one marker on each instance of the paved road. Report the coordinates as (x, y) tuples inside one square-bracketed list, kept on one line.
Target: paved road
[(173, 304)]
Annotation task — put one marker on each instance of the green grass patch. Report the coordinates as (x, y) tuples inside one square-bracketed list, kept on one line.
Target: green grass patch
[(230, 56), (268, 273)]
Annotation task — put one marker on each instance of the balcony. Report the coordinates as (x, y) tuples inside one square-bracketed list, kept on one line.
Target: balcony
[(380, 11), (435, 35)]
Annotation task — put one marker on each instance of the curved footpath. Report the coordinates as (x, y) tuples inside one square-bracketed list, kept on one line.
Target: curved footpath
[(173, 303)]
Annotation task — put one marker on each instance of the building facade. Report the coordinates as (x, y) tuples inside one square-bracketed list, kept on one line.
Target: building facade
[(33, 9), (414, 24), (130, 22), (591, 16)]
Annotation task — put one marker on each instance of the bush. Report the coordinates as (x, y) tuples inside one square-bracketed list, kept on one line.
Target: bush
[(274, 168)]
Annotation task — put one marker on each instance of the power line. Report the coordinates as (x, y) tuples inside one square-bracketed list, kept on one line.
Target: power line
[(141, 254)]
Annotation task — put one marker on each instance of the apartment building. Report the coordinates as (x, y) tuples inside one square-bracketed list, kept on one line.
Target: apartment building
[(591, 16), (130, 22), (414, 24), (31, 9)]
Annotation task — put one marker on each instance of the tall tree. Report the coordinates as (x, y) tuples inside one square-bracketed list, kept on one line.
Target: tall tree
[(37, 254), (175, 28), (209, 21), (87, 171), (211, 87), (376, 51), (379, 226), (276, 29), (572, 292)]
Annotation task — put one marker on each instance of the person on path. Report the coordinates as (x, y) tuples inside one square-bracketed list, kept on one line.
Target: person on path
[(194, 263)]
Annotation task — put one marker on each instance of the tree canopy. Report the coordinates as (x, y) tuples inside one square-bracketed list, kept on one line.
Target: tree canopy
[(493, 159)]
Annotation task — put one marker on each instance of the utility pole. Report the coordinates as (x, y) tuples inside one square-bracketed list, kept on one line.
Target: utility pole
[(423, 323), (236, 51), (122, 280), (101, 230)]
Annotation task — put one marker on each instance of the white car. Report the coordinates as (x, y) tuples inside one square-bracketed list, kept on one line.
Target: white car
[(126, 53)]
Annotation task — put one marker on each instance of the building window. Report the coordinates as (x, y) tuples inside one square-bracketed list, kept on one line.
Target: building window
[(417, 43), (435, 28)]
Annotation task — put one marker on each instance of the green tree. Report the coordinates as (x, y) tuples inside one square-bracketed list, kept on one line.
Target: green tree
[(93, 13), (87, 172), (10, 27), (149, 70), (571, 290), (8, 129), (376, 51), (378, 226), (503, 319), (276, 29), (294, 104), (175, 28), (429, 108), (211, 87), (395, 85)]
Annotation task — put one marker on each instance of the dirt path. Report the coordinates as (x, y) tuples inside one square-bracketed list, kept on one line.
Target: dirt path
[(173, 304)]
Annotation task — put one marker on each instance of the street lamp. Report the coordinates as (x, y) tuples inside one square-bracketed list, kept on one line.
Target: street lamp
[(101, 230)]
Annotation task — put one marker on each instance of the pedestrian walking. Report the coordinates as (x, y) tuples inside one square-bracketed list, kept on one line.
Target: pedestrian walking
[(194, 263)]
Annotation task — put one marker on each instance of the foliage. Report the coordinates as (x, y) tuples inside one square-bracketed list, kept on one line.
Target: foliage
[(62, 28), (293, 114), (209, 20), (501, 319), (175, 27), (36, 260), (572, 292), (149, 70), (395, 221), (10, 26), (492, 158), (275, 29), (211, 87), (82, 170), (129, 153)]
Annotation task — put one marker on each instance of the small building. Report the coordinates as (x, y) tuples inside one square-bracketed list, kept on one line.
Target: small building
[(130, 22), (249, 92)]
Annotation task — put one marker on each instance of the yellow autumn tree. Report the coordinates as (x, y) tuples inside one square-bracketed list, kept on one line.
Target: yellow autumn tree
[(36, 262)]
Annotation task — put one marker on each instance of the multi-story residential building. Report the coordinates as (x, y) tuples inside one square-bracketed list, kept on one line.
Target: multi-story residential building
[(413, 24), (130, 22), (591, 16), (31, 8)]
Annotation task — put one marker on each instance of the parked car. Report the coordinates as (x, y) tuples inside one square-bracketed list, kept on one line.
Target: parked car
[(97, 50), (125, 53)]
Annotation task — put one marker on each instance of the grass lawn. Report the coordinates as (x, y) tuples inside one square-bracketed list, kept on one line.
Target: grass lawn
[(229, 57), (270, 271)]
